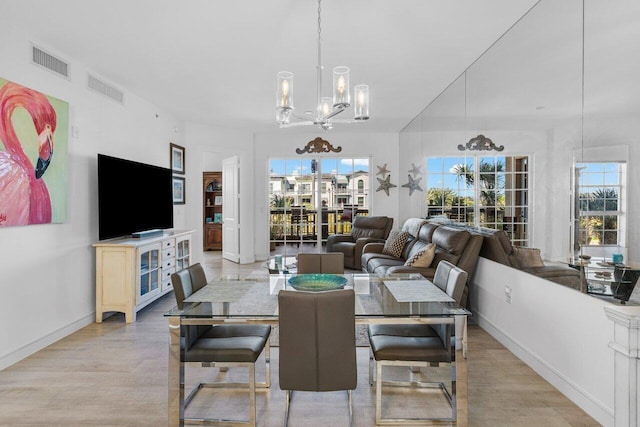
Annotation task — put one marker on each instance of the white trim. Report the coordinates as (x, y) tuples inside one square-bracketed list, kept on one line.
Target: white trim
[(27, 350)]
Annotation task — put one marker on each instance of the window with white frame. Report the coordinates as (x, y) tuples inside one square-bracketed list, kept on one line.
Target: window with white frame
[(483, 191), (601, 202)]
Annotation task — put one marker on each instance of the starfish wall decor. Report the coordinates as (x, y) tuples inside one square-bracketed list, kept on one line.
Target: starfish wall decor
[(382, 170), (415, 170), (385, 184), (414, 183)]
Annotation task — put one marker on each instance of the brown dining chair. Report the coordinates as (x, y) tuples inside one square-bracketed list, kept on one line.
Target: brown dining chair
[(317, 343), (330, 263), (418, 345), (223, 346)]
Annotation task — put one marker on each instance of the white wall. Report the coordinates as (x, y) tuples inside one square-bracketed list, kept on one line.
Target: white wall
[(380, 147), (562, 334), (48, 271)]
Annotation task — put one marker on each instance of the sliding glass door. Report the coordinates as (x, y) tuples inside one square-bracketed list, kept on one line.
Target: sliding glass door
[(310, 199)]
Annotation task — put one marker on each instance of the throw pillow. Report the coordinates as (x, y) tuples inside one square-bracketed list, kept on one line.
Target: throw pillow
[(527, 257), (395, 243), (424, 258)]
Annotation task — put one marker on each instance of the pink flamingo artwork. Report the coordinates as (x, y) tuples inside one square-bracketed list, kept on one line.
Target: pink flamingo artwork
[(24, 197)]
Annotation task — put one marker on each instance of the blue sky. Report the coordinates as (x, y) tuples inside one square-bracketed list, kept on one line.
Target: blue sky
[(303, 166)]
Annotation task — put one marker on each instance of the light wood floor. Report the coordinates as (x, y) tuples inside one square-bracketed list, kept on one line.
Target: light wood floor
[(114, 374)]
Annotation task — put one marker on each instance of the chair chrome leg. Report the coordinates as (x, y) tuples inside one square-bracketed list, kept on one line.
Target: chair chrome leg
[(378, 392), (371, 362), (350, 395), (267, 361), (287, 403), (252, 394)]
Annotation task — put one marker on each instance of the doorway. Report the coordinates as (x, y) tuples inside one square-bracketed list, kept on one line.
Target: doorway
[(312, 198)]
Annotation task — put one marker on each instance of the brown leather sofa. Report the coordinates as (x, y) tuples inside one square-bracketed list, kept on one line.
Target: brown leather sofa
[(365, 229), (497, 247), (459, 247)]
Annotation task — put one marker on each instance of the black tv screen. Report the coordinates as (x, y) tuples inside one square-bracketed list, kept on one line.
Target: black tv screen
[(132, 197)]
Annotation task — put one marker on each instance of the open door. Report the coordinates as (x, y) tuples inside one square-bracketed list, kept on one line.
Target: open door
[(231, 209)]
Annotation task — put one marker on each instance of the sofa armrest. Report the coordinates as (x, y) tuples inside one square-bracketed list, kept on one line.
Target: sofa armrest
[(337, 238), (427, 272), (361, 242), (373, 247)]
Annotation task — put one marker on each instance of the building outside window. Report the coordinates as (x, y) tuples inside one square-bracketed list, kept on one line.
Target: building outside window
[(307, 197)]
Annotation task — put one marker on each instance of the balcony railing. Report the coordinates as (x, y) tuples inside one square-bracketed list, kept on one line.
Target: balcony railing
[(299, 224)]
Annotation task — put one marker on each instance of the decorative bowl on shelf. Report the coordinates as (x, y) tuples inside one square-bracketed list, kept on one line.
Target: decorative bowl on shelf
[(585, 257), (317, 282)]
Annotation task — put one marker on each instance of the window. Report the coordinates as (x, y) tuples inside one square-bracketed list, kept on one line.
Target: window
[(482, 191), (361, 186), (600, 203)]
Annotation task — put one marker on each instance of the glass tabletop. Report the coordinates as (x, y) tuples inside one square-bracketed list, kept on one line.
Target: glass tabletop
[(280, 264), (399, 295)]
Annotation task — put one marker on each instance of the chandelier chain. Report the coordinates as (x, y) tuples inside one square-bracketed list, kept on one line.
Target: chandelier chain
[(319, 20), (319, 67)]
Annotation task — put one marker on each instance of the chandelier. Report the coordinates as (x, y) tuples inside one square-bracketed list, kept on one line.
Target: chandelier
[(327, 107)]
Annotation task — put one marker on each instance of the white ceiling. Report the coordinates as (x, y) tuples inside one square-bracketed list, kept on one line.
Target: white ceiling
[(215, 62)]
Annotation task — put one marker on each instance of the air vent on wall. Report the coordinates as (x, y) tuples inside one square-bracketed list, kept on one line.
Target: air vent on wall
[(50, 62), (105, 89)]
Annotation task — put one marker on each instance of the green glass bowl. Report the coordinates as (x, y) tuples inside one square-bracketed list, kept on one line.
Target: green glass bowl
[(317, 282)]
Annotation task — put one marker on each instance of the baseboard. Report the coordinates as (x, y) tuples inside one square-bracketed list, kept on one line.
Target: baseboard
[(570, 389), (27, 350)]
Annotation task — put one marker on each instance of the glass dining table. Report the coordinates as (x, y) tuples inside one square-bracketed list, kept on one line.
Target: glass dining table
[(398, 298)]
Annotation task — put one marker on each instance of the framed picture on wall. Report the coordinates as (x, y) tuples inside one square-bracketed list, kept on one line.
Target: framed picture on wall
[(178, 190), (177, 159)]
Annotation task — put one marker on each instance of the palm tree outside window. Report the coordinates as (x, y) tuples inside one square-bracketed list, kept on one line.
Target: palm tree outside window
[(601, 204), (482, 191)]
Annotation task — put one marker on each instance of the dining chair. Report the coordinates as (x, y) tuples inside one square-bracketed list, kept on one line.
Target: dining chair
[(416, 346), (329, 263), (317, 343), (223, 346)]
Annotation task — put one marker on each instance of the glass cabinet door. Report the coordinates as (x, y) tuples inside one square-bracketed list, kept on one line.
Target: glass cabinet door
[(149, 270), (182, 258)]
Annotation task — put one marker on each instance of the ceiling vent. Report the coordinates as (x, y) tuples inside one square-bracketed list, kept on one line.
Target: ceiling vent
[(105, 89), (50, 62)]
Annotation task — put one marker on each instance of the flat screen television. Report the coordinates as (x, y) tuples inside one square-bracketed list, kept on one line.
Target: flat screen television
[(132, 197)]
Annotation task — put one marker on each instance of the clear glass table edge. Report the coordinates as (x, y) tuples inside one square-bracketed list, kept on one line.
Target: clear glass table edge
[(452, 308)]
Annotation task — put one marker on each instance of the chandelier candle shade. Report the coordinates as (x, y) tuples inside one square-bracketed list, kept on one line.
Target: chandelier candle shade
[(284, 96), (341, 87), (327, 107), (361, 107)]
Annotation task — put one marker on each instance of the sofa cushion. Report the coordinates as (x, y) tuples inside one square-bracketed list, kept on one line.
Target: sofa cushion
[(504, 240), (416, 246), (369, 226), (395, 243), (450, 240), (382, 262), (426, 232), (423, 258), (408, 246)]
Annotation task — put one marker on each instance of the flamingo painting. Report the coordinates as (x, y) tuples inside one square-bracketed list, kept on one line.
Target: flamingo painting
[(24, 196)]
